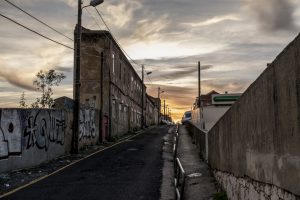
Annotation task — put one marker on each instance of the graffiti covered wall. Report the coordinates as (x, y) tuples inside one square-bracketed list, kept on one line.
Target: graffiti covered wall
[(88, 123), (31, 136)]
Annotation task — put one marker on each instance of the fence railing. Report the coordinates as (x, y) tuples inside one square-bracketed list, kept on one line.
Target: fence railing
[(179, 173), (175, 146), (179, 180)]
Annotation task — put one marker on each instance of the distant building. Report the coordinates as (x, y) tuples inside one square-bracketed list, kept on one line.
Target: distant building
[(65, 103), (152, 109), (213, 107), (205, 99)]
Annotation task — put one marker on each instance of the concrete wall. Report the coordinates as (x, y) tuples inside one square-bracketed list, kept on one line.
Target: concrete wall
[(29, 137), (206, 117), (200, 138), (259, 136)]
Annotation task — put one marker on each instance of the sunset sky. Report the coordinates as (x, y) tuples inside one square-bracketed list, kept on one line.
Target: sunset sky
[(233, 39)]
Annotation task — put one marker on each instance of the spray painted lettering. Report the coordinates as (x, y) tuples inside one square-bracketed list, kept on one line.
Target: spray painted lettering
[(87, 127), (10, 133), (39, 128), (44, 128)]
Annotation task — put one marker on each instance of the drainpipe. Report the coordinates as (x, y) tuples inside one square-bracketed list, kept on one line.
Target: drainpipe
[(101, 99)]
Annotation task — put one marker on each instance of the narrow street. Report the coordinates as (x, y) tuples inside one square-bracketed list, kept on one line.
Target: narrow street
[(130, 170)]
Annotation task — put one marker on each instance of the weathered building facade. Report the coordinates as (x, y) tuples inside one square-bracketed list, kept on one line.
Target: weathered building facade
[(152, 109), (110, 92)]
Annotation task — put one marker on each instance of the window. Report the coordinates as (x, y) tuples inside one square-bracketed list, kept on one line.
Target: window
[(120, 70), (120, 113), (124, 78), (114, 109), (113, 62)]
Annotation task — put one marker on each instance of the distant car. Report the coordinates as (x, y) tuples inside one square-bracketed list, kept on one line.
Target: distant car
[(186, 117)]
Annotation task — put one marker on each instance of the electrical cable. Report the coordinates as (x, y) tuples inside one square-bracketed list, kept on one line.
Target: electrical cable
[(106, 35), (86, 8), (115, 38), (104, 22), (35, 32), (38, 20)]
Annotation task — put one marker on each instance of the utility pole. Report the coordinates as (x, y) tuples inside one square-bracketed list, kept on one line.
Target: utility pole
[(158, 106), (199, 84), (142, 123), (164, 109), (76, 88), (76, 84), (101, 139), (166, 116)]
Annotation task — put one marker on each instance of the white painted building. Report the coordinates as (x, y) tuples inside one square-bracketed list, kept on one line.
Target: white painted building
[(205, 117)]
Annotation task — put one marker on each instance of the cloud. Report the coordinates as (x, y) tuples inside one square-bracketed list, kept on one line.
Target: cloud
[(231, 86), (72, 3), (16, 79), (221, 34), (177, 72), (63, 69), (214, 20), (149, 29), (121, 14), (273, 15)]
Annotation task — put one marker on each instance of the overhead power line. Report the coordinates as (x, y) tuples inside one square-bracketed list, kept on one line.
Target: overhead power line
[(92, 17), (38, 20), (115, 37), (35, 32), (120, 45), (104, 22)]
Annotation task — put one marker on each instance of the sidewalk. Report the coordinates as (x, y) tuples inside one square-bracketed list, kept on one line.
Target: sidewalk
[(199, 184), (167, 185)]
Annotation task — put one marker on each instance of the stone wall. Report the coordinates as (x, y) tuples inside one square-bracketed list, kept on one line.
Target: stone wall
[(248, 189), (29, 137), (259, 137)]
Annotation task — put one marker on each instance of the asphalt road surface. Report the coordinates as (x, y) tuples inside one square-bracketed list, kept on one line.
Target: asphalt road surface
[(129, 171)]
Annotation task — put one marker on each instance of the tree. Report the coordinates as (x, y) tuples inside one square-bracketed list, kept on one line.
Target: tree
[(22, 103), (44, 82)]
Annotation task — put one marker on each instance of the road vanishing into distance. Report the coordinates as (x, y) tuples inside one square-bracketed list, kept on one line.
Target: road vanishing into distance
[(128, 171)]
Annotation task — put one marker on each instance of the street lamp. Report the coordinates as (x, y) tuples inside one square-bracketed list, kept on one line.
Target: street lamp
[(95, 3), (76, 93)]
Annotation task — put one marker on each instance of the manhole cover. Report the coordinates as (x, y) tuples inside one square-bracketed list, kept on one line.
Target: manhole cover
[(194, 175)]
